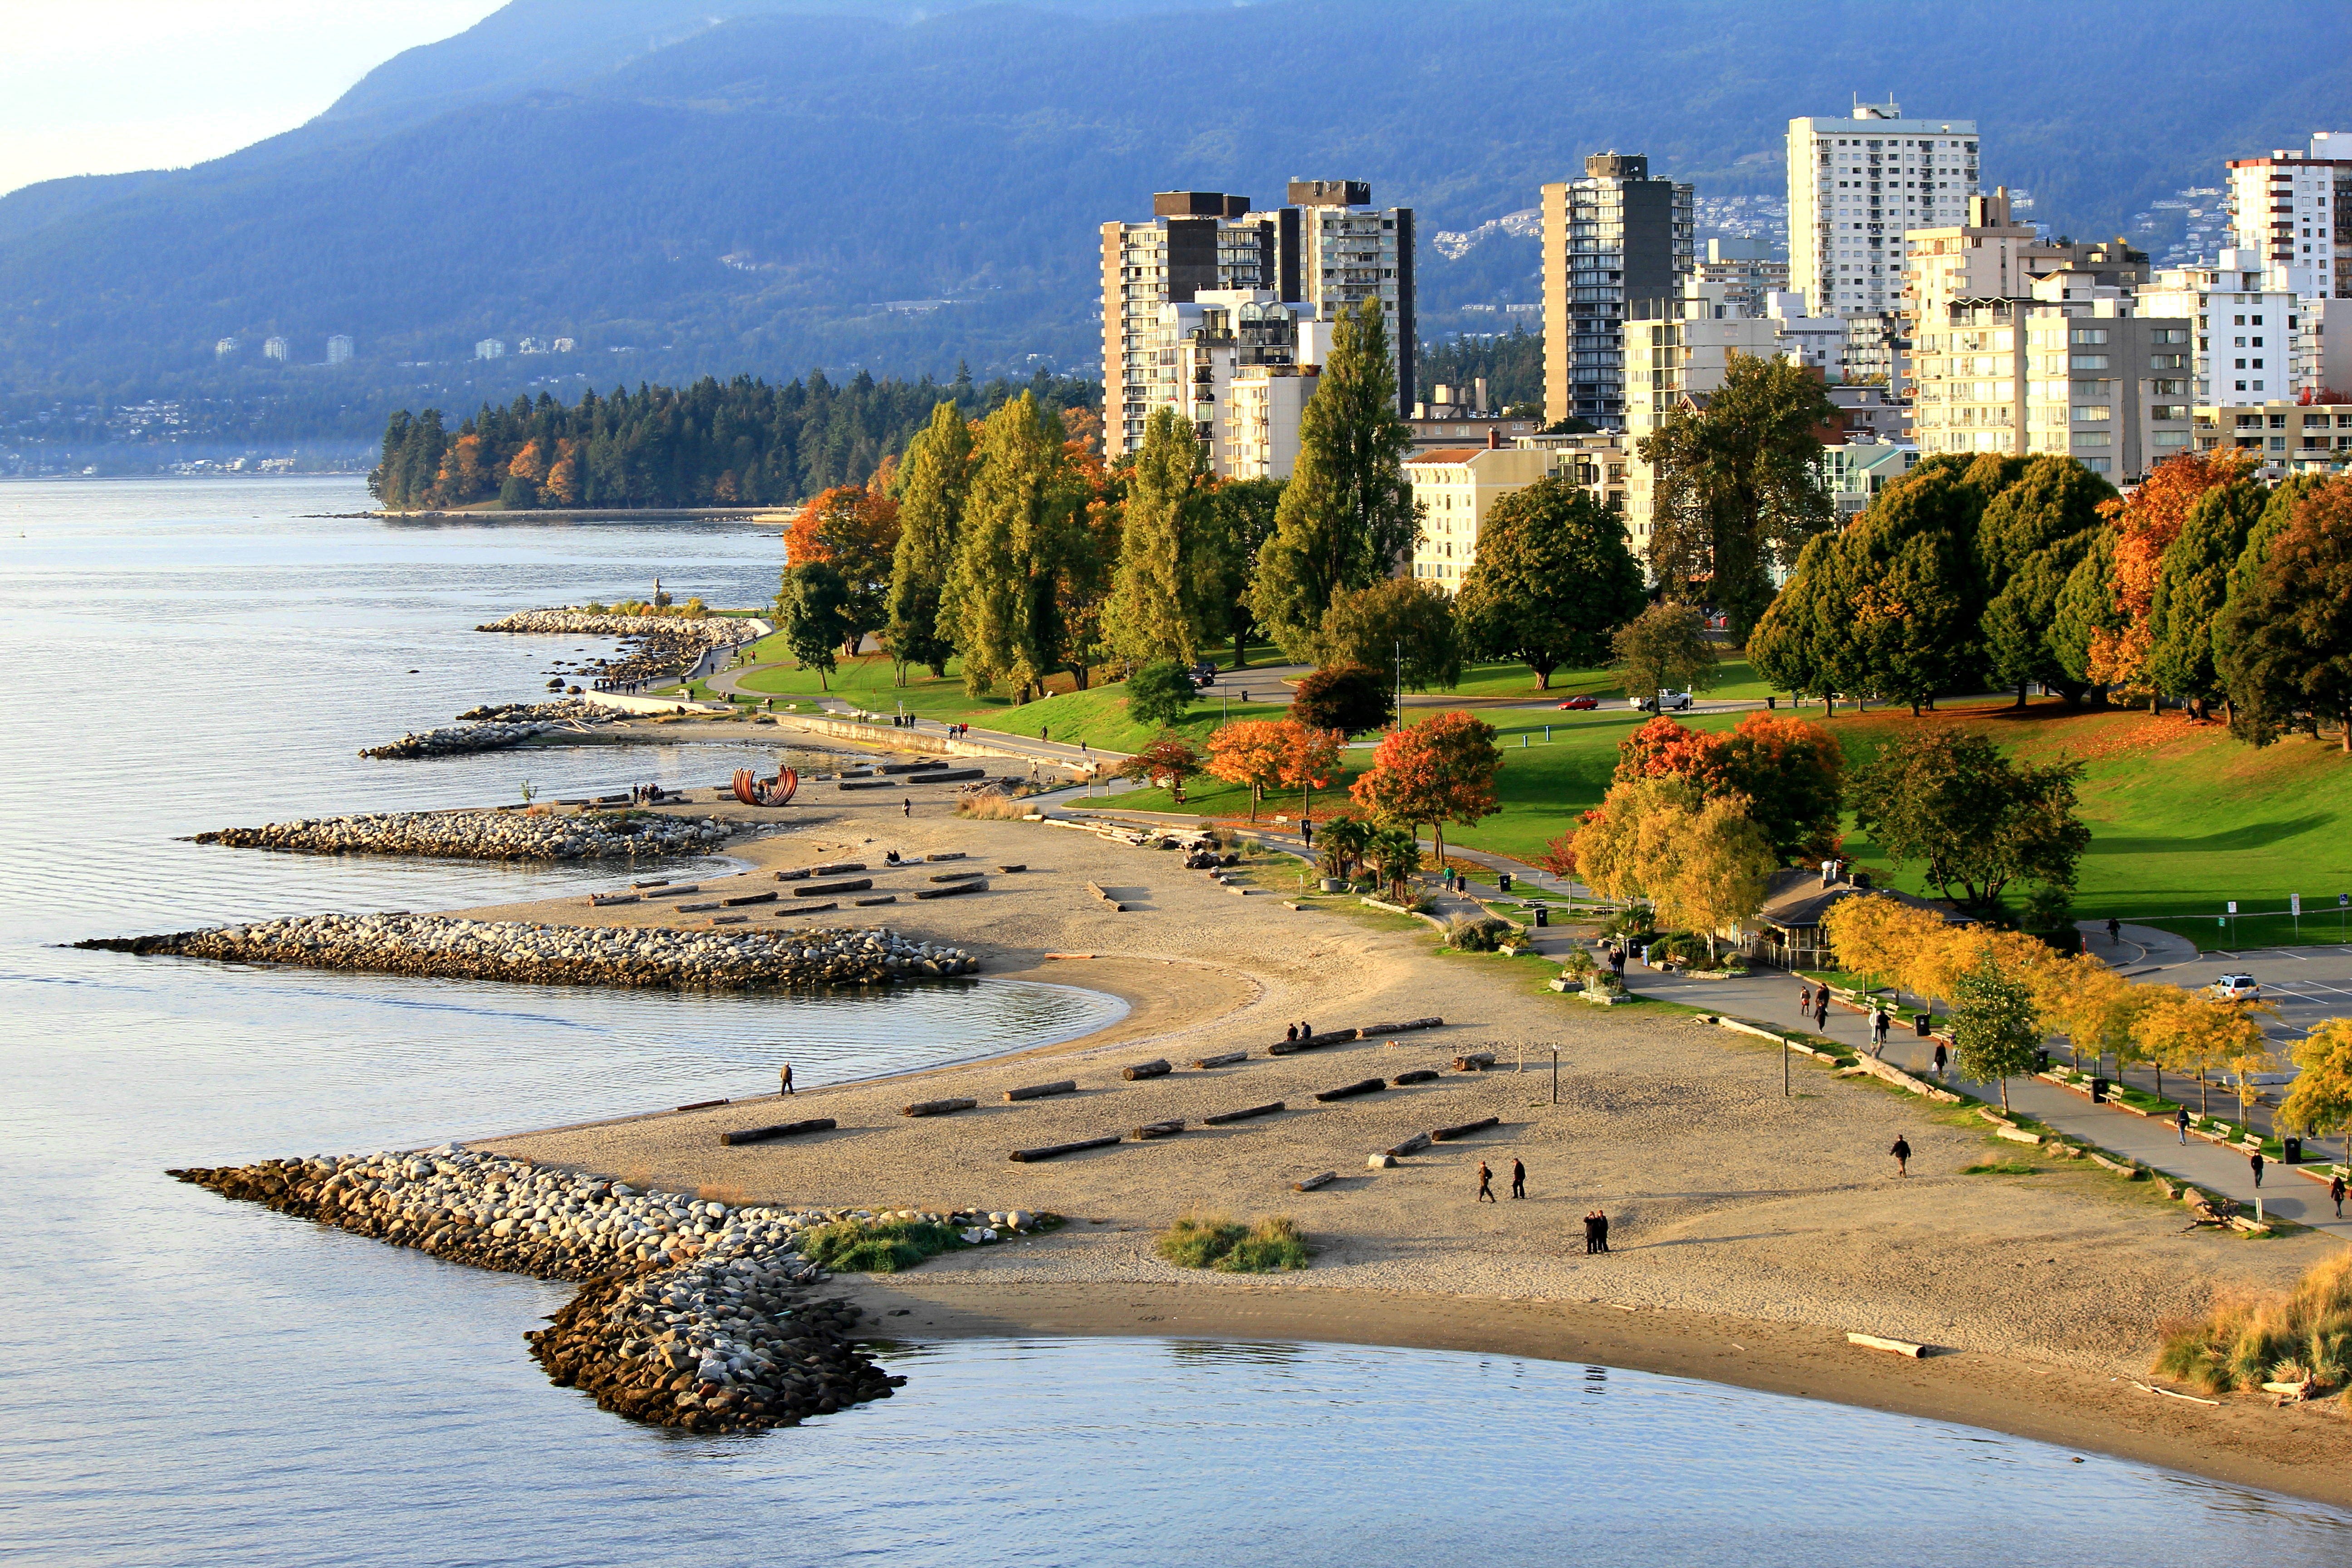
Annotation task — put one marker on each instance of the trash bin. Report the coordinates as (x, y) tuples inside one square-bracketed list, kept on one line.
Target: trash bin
[(1505, 879), (1920, 1024), (2042, 1061), (2290, 1151), (1543, 914), (2098, 1091)]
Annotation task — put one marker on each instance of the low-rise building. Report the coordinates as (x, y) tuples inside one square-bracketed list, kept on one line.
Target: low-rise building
[(1856, 471), (2289, 437), (490, 348), (1455, 487), (1747, 269), (339, 349), (2323, 359)]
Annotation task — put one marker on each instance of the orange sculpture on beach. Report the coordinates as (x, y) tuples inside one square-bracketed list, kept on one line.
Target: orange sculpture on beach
[(753, 790)]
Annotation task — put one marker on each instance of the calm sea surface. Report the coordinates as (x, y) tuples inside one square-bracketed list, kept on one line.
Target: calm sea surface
[(186, 1381)]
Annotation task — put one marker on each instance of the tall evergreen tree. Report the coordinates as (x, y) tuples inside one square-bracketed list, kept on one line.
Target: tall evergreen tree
[(931, 486), (1160, 593), (1346, 513), (999, 606), (2290, 634), (1740, 487), (2086, 612), (2030, 537), (1238, 520), (2192, 583)]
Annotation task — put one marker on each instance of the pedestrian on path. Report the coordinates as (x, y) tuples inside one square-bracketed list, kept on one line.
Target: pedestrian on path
[(2336, 1191), (2114, 931), (1518, 1179), (1804, 998), (1879, 1022), (1042, 734), (1307, 827), (1902, 1152), (2180, 1120), (788, 1080), (2255, 1161), (1821, 1010), (1942, 1058), (1486, 1185), (906, 805)]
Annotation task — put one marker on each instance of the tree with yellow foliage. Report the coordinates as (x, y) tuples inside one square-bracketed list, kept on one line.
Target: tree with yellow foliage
[(2319, 1101), (2092, 1005), (2196, 1035)]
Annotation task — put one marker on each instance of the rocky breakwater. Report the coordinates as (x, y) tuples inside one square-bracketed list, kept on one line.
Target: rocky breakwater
[(639, 958), (495, 729), (659, 646), (485, 836), (692, 1313)]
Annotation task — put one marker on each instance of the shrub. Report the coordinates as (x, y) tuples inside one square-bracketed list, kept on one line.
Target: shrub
[(1353, 698), (852, 1246), (1472, 934), (1160, 692), (2243, 1342), (991, 807), (1215, 1241)]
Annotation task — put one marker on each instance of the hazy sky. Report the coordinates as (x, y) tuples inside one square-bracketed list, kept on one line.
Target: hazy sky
[(96, 87)]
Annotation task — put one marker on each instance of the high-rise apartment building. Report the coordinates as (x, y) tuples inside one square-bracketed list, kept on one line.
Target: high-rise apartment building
[(1857, 186), (1612, 238), (2242, 326), (339, 349), (1323, 252), (1749, 269), (490, 348), (223, 348), (1675, 349), (2294, 209), (276, 347), (1196, 350)]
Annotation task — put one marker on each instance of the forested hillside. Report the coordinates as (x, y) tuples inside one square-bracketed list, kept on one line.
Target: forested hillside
[(690, 190)]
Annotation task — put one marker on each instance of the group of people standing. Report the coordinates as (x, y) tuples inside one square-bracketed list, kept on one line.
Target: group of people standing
[(645, 794), (1596, 1224)]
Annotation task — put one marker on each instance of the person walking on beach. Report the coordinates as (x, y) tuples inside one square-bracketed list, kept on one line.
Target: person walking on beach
[(907, 805), (2180, 1120), (1486, 1185), (1596, 1232), (1902, 1152), (788, 1078), (2254, 1159), (1518, 1179)]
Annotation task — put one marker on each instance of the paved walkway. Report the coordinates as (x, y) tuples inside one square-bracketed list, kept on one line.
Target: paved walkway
[(1769, 998)]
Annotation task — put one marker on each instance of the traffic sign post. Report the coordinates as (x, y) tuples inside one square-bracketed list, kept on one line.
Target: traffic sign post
[(2295, 908), (2233, 922)]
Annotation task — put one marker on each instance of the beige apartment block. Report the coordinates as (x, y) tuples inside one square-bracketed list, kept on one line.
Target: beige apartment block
[(1454, 487), (1263, 404), (1676, 352), (2288, 437)]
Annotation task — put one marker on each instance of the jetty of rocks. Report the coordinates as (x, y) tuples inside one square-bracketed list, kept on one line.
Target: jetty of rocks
[(485, 836), (692, 1313), (704, 631), (634, 957), (563, 711), (495, 729)]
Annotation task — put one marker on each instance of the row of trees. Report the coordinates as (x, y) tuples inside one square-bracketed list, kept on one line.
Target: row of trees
[(741, 441), (2204, 586)]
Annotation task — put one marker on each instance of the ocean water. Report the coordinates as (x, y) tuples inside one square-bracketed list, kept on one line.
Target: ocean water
[(188, 1380)]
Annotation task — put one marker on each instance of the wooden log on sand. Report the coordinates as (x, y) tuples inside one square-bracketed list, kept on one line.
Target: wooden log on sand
[(1350, 1090), (838, 867), (1040, 1090), (799, 876), (1418, 1074), (1448, 1134), (1008, 870), (1900, 1347), (1159, 1068), (959, 876), (1308, 1184), (951, 891), (1226, 1060), (767, 897), (705, 1104), (1223, 1117), (945, 854), (1474, 1062), (1412, 1145), (937, 1106), (1151, 1130), (780, 1130), (1372, 1031), (820, 889), (1053, 1150)]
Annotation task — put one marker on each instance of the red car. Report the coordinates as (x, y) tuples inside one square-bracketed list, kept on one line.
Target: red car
[(1579, 704)]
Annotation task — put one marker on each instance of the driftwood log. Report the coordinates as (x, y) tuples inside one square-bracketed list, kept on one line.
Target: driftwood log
[(767, 897), (1151, 1130), (1418, 1074), (1448, 1134), (799, 876), (1052, 1150), (959, 876), (780, 1130), (819, 889), (937, 1106), (705, 1104), (1412, 1145), (950, 892), (1159, 1068), (1221, 1118), (1226, 1060), (1474, 1062), (838, 867), (1350, 1090), (1041, 1091), (1308, 1184)]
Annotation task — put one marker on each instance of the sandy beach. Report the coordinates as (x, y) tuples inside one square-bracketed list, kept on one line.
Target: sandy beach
[(1750, 1231)]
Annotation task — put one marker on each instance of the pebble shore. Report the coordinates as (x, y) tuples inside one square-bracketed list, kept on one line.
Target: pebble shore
[(484, 835), (633, 957), (692, 1313)]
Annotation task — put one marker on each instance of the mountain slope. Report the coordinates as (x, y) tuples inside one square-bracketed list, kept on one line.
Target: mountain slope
[(749, 185)]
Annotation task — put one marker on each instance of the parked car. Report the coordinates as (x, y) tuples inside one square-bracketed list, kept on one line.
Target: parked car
[(2234, 988), (1675, 701), (1579, 704), (1204, 674)]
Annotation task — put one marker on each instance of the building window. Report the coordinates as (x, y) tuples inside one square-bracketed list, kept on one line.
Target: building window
[(2096, 464), (2093, 414)]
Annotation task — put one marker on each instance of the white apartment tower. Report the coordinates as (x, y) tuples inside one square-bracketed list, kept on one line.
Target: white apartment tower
[(2243, 324), (2294, 208), (339, 349), (1611, 240), (1856, 187), (276, 347)]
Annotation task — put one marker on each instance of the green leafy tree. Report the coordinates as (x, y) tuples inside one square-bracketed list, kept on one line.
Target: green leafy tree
[(1740, 486), (1912, 591), (1237, 521), (1339, 847), (1159, 693), (1402, 623), (2290, 634), (2085, 612), (2257, 721), (1346, 513), (2030, 536), (811, 611), (1163, 590), (1801, 643), (2192, 585), (1349, 698), (1553, 579), (1021, 526), (1665, 648), (931, 486), (1975, 819), (1995, 1028), (2016, 624)]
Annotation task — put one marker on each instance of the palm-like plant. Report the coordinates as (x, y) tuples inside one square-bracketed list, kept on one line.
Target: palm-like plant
[(1344, 841), (1396, 850)]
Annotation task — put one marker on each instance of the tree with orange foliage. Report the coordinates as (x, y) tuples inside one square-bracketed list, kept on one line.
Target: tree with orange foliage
[(1250, 752), (2147, 522), (1790, 771), (562, 486), (1438, 772), (1309, 761), (853, 529)]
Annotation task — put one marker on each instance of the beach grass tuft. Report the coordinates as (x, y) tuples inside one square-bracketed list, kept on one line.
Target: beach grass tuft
[(1267, 1245), (884, 1247), (2001, 1168), (991, 807), (2243, 1341)]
